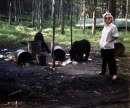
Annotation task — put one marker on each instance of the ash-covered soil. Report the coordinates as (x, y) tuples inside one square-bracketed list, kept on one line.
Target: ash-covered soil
[(74, 85)]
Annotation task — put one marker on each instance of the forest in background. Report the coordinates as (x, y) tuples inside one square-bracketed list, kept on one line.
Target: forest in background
[(35, 12), (21, 19)]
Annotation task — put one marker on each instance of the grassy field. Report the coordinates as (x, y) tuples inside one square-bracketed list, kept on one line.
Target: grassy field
[(19, 34)]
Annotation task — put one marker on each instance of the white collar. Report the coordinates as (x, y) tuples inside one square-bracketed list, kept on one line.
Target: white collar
[(107, 25)]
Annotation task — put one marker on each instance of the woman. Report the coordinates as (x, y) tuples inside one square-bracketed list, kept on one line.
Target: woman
[(109, 34)]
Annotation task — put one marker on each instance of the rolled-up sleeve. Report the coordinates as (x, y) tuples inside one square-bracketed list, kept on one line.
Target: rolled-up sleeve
[(115, 32)]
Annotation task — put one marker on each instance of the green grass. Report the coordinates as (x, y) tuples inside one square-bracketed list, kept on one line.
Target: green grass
[(14, 33), (18, 34)]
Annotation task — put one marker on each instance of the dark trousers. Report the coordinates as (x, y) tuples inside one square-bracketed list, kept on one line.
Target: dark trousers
[(108, 57)]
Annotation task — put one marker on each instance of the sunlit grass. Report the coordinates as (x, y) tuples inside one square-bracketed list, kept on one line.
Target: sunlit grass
[(124, 36), (14, 33), (23, 34)]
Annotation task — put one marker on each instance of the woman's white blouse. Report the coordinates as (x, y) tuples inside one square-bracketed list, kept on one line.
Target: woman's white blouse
[(109, 31)]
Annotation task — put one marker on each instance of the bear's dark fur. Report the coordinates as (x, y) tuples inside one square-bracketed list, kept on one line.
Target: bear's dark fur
[(39, 37), (80, 50)]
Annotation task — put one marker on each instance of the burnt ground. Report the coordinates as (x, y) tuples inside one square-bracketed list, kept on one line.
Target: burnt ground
[(74, 85)]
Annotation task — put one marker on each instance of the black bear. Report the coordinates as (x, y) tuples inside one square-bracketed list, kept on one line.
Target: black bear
[(39, 37), (80, 50)]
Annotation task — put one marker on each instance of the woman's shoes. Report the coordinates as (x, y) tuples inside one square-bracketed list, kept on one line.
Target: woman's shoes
[(114, 77)]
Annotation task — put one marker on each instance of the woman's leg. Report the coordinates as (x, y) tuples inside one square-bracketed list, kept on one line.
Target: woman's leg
[(104, 61), (112, 63)]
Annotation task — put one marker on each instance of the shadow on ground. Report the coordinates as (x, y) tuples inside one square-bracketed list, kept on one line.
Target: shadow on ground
[(70, 86)]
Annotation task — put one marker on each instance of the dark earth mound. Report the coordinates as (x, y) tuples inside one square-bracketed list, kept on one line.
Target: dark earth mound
[(74, 85)]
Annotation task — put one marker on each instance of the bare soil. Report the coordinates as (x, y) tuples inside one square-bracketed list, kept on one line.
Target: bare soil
[(74, 85)]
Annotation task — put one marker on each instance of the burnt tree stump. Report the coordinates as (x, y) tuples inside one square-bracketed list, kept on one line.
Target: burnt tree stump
[(119, 49)]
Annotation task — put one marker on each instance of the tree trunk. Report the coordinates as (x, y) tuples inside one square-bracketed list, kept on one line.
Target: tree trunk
[(58, 10), (62, 17), (94, 23), (19, 11), (33, 12), (94, 18), (15, 10), (40, 15), (71, 9), (53, 32), (127, 4), (10, 12), (84, 15), (112, 8), (37, 14)]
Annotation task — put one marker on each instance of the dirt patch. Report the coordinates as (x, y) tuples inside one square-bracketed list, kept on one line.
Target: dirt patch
[(73, 85)]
